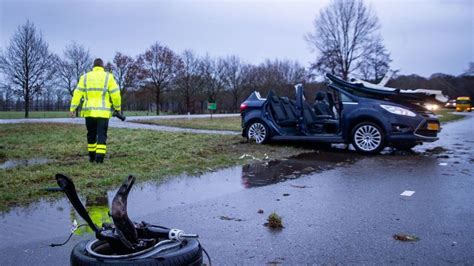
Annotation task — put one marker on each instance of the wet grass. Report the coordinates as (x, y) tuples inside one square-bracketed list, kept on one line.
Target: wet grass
[(448, 116), (221, 123), (146, 154)]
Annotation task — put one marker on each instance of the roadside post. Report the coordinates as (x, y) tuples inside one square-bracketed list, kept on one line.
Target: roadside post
[(211, 106)]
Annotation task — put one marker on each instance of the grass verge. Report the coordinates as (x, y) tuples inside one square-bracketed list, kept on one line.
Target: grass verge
[(447, 115), (221, 123), (144, 153)]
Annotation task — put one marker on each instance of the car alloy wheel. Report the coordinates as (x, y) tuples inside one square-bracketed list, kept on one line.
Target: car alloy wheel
[(258, 132), (368, 138)]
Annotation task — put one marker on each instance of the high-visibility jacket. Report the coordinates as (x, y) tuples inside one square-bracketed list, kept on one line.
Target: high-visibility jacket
[(100, 93)]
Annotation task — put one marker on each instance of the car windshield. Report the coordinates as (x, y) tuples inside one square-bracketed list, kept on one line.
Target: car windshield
[(463, 102)]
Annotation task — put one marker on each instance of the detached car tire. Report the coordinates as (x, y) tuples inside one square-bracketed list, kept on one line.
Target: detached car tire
[(189, 253), (368, 138), (258, 131)]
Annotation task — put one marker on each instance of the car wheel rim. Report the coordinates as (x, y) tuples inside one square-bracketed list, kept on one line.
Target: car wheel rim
[(257, 132), (368, 138)]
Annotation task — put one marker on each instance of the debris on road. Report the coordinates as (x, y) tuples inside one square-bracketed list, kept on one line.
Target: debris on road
[(297, 186), (260, 211), (407, 193), (286, 194), (245, 155), (274, 221), (403, 237), (227, 218)]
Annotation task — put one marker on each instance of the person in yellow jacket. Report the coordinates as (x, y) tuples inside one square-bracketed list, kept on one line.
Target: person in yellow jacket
[(101, 96)]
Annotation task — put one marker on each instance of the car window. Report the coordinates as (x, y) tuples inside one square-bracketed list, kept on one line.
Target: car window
[(345, 98)]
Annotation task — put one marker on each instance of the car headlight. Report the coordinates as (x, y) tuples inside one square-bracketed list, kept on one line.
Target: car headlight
[(398, 110), (432, 107)]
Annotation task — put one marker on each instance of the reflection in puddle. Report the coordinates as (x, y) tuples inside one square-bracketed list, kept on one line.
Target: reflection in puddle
[(266, 173), (15, 163), (98, 209)]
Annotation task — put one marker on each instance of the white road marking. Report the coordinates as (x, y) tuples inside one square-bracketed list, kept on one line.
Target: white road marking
[(407, 193), (443, 164)]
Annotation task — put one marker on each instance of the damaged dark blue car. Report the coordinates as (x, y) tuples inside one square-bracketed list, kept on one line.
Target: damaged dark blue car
[(368, 116)]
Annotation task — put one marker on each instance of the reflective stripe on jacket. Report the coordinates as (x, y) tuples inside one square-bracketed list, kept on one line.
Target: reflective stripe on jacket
[(100, 93)]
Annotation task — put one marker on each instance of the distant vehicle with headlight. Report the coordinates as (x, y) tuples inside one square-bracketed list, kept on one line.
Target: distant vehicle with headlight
[(463, 103), (368, 116), (432, 106), (451, 104)]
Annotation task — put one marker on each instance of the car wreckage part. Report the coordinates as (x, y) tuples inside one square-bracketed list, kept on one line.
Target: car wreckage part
[(128, 242)]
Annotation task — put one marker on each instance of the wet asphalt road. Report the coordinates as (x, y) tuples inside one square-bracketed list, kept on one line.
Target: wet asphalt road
[(345, 214)]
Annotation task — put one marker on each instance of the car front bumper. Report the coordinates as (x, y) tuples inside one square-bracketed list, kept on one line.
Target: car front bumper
[(422, 132)]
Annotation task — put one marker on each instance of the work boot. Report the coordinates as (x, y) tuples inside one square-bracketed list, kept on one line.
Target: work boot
[(99, 158), (91, 156)]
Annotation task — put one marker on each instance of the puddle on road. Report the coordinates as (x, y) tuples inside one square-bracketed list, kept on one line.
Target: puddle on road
[(266, 173), (15, 163), (48, 219)]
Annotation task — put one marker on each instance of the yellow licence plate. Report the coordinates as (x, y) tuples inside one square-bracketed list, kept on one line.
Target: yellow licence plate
[(433, 126)]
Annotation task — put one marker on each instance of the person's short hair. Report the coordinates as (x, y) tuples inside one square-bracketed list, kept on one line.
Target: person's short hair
[(98, 62)]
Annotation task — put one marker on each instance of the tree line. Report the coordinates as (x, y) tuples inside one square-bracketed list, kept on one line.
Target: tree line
[(345, 38), (157, 80)]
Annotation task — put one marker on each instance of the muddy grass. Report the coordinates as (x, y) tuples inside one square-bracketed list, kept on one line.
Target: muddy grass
[(146, 154)]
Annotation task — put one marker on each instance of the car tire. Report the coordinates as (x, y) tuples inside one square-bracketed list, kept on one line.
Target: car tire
[(258, 131), (189, 253), (368, 138)]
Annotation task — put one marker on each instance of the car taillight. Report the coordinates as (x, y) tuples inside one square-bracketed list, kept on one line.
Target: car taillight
[(243, 107)]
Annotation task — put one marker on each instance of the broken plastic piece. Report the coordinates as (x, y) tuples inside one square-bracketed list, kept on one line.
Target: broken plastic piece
[(403, 237)]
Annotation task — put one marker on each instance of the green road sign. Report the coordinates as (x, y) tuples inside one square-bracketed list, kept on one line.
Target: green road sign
[(211, 106)]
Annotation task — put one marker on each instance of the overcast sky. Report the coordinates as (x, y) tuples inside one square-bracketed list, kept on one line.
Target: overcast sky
[(423, 36)]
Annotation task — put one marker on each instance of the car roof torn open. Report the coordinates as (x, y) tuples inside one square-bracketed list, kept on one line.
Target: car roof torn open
[(378, 90)]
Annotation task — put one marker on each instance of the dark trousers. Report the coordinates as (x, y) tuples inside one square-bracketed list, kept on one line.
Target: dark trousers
[(97, 137)]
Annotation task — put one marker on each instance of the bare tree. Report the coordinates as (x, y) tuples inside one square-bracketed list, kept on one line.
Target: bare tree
[(377, 61), (235, 78), (75, 62), (127, 72), (159, 65), (189, 80), (27, 64), (277, 75), (109, 67), (213, 71), (342, 34)]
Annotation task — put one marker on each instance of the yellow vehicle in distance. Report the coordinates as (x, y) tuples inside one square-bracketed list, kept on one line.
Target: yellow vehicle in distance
[(463, 103)]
